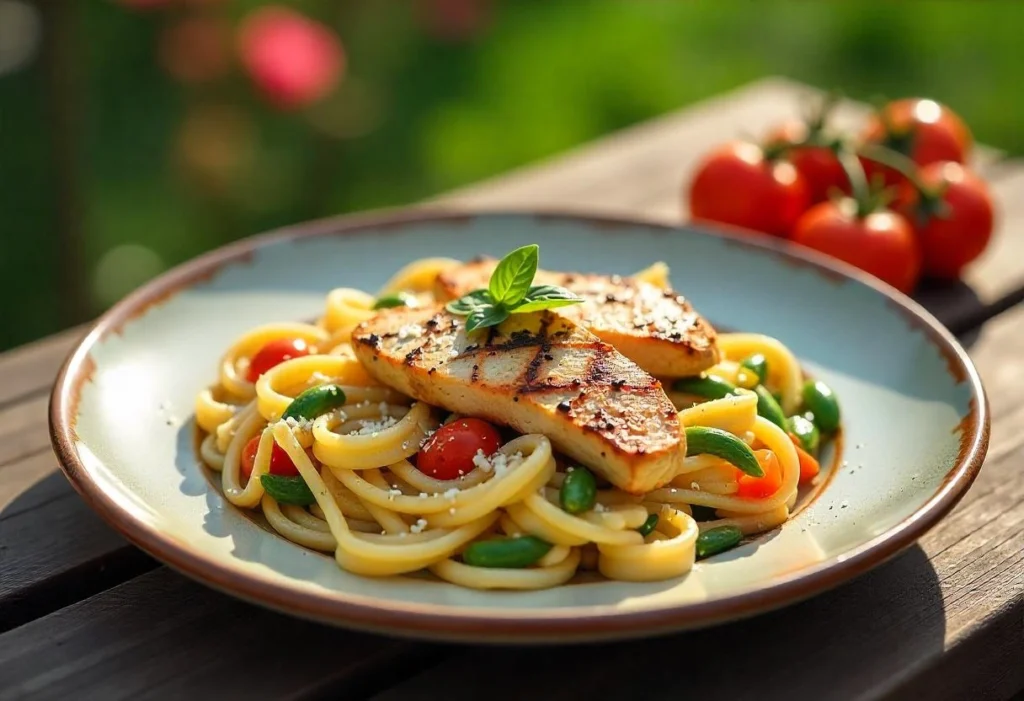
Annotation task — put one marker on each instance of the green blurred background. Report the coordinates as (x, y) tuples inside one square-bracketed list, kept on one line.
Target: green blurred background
[(130, 139)]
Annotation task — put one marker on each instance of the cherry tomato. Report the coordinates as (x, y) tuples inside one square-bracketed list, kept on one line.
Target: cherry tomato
[(958, 233), (923, 130), (737, 185), (881, 243), (818, 165), (761, 487), (274, 353), (449, 453), (280, 463)]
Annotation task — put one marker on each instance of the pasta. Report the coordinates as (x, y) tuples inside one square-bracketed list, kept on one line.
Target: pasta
[(367, 503)]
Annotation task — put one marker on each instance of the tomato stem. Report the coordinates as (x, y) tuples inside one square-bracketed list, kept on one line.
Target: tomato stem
[(858, 180)]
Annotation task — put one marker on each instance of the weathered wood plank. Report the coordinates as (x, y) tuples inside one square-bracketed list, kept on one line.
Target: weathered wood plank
[(31, 369), (161, 636)]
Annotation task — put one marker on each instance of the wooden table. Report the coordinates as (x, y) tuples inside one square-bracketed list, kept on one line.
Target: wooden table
[(85, 615)]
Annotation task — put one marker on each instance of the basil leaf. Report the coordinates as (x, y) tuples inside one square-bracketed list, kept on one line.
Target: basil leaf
[(491, 315), (545, 297), (511, 280), (466, 304)]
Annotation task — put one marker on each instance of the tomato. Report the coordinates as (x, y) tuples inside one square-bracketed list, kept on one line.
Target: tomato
[(923, 130), (761, 487), (881, 243), (737, 185), (449, 453), (818, 165), (960, 230), (280, 463), (274, 353)]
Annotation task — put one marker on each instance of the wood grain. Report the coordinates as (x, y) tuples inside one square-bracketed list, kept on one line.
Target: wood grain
[(160, 636), (31, 369)]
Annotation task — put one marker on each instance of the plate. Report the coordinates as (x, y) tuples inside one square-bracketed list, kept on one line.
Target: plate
[(915, 421)]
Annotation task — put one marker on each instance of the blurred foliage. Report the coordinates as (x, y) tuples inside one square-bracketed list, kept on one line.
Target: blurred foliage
[(437, 93)]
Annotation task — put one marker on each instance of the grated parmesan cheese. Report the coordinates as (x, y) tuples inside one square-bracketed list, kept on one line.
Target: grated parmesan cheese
[(418, 526), (372, 428), (410, 331), (392, 493), (451, 494)]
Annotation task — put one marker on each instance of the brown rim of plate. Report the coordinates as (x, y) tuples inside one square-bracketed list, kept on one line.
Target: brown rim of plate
[(509, 625)]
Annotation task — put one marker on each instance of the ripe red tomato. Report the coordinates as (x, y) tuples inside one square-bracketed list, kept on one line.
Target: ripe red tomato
[(923, 130), (953, 237), (448, 454), (274, 353), (818, 165), (737, 185), (280, 463), (881, 243)]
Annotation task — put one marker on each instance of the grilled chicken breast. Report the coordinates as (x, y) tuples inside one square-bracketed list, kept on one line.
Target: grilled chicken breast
[(656, 328), (538, 373)]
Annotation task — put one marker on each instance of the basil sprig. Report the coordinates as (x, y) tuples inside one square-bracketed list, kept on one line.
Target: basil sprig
[(510, 291)]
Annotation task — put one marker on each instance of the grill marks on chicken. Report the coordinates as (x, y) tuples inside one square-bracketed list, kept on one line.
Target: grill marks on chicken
[(657, 328), (538, 373)]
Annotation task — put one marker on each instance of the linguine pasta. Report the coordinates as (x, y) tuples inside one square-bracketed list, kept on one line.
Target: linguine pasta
[(379, 515)]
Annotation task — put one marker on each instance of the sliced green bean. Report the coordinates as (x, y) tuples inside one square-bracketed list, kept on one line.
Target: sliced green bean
[(756, 365), (288, 490), (804, 429), (704, 440), (508, 553), (717, 540), (578, 492), (705, 386), (314, 402), (397, 299), (768, 408), (648, 526), (821, 401)]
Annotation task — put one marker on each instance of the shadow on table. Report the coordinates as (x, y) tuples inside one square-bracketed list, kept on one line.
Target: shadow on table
[(864, 636), (956, 305)]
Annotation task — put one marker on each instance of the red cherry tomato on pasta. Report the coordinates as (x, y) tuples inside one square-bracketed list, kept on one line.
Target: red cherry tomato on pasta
[(923, 130), (881, 243), (818, 165), (274, 353), (737, 185), (761, 487), (449, 453), (280, 463), (956, 226)]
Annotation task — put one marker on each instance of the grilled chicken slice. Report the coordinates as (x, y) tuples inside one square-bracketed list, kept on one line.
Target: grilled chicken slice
[(538, 373), (656, 328)]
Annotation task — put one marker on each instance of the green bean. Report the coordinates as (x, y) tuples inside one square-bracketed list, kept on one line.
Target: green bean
[(805, 430), (716, 540), (648, 526), (506, 552), (756, 364), (768, 408), (705, 386), (578, 492), (314, 402), (821, 401), (397, 299), (704, 440), (288, 490)]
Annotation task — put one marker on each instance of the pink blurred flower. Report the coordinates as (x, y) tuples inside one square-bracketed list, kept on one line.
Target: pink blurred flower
[(293, 60)]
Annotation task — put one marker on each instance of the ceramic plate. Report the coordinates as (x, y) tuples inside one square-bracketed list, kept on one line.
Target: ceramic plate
[(915, 421)]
